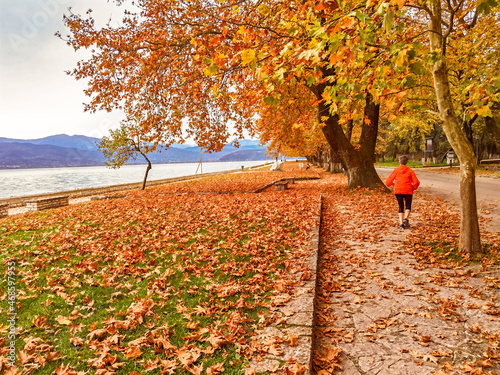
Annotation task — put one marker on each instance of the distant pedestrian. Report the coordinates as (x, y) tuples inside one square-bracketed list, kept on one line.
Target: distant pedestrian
[(405, 183), (307, 166)]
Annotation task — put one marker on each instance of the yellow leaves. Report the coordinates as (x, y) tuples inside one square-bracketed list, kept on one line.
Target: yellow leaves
[(242, 30), (399, 3), (247, 56), (313, 43), (484, 111), (263, 9), (402, 57), (211, 70)]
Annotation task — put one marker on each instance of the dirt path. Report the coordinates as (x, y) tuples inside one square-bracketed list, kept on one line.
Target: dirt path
[(440, 183), (386, 307)]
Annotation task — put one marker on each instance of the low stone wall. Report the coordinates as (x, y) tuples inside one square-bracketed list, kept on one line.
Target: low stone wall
[(4, 210), (47, 203), (80, 193), (293, 337)]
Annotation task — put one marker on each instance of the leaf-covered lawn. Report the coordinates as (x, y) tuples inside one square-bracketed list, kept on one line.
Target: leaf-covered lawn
[(153, 282), (247, 181)]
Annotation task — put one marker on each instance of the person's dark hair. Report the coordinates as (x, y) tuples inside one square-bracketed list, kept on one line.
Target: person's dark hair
[(403, 159)]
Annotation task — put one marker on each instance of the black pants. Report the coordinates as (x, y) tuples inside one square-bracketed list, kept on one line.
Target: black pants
[(402, 200)]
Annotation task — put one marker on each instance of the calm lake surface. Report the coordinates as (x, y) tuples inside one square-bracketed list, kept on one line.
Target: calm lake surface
[(20, 182)]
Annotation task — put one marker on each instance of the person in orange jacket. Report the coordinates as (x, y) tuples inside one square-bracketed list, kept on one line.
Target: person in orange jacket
[(405, 183)]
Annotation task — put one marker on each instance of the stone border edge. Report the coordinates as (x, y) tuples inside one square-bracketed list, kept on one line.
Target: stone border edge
[(300, 324)]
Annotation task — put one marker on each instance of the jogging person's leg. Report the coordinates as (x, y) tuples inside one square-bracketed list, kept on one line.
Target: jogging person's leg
[(401, 211), (408, 200)]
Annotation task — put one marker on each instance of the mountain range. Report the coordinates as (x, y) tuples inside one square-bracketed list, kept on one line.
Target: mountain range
[(77, 151)]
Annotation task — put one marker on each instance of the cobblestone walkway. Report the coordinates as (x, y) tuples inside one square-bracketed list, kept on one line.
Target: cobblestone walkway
[(383, 312)]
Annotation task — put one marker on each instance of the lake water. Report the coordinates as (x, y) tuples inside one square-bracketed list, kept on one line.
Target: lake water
[(20, 182)]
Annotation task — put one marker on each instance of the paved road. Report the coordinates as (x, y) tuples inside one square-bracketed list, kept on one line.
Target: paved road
[(447, 186)]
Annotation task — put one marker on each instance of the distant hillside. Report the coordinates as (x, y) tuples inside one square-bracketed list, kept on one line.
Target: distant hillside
[(29, 155), (74, 151), (245, 155), (80, 142)]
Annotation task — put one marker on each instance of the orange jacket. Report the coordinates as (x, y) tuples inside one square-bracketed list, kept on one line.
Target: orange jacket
[(404, 179)]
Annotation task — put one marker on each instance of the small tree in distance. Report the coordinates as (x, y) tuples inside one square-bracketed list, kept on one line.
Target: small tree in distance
[(121, 146)]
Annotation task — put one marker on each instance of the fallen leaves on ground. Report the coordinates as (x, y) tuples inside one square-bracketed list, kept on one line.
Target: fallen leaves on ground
[(156, 282), (367, 307)]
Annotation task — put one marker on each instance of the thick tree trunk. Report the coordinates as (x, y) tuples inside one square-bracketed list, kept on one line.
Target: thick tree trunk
[(359, 165), (335, 165), (358, 162), (469, 227), (350, 126)]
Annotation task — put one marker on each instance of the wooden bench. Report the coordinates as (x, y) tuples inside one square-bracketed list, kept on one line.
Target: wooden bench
[(4, 209), (47, 203), (283, 185)]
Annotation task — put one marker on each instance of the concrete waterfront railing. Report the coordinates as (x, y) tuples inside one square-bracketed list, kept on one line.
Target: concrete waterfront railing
[(48, 203), (15, 202)]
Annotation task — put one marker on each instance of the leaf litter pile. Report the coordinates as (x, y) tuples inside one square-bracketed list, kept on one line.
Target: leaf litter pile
[(154, 282), (239, 182)]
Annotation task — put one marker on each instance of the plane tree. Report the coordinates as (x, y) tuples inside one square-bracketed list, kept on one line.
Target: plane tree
[(457, 42), (200, 69)]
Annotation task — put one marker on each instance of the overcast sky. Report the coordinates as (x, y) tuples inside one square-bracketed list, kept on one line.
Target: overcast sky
[(37, 97)]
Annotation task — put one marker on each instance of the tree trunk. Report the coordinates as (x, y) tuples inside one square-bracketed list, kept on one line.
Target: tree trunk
[(469, 241), (358, 162), (360, 169), (350, 126), (147, 171), (326, 161), (494, 129)]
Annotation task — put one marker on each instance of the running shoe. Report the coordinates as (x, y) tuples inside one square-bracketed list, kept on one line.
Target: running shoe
[(401, 226), (406, 223)]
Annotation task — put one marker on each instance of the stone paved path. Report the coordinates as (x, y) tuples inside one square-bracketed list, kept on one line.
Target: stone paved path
[(383, 312)]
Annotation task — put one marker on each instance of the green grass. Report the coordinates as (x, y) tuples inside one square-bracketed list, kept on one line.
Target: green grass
[(390, 163), (448, 252), (88, 287), (77, 273)]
